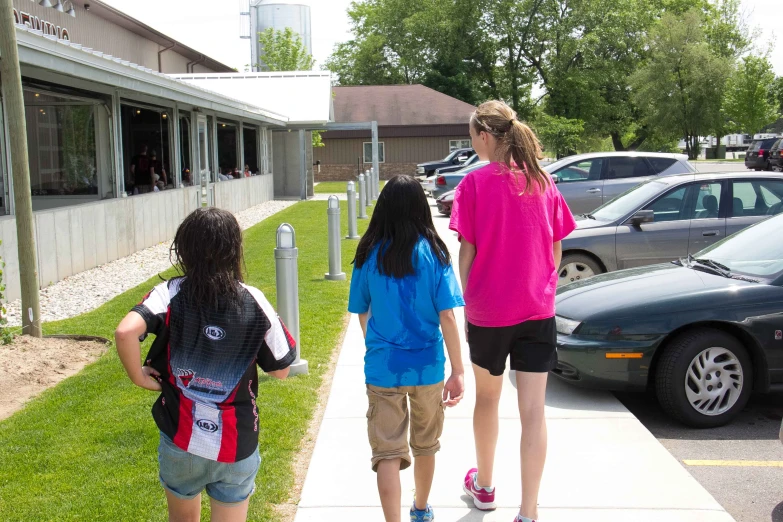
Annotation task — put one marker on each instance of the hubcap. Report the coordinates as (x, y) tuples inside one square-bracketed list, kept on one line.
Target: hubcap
[(714, 381), (574, 272)]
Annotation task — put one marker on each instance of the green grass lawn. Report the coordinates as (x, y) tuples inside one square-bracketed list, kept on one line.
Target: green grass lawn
[(86, 449), (337, 187)]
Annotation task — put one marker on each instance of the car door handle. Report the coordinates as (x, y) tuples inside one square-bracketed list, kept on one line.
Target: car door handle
[(710, 233), (594, 191)]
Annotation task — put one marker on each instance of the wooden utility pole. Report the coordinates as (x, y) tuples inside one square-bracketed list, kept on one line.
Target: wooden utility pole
[(23, 203)]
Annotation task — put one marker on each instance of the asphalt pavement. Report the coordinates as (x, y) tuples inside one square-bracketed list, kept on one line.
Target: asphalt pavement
[(750, 490)]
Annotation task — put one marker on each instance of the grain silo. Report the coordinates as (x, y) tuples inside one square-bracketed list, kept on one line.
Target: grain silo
[(279, 14)]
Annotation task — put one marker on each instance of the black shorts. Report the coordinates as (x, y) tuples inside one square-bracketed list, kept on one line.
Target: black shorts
[(532, 346)]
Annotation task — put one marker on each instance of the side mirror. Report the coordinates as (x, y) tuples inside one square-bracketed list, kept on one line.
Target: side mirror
[(643, 216), (556, 178)]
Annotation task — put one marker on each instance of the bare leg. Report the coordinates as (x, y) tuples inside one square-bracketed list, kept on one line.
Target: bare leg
[(531, 394), (389, 488), (485, 423), (183, 510), (423, 473), (226, 513)]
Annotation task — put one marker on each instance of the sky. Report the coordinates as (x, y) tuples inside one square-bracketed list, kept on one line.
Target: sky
[(212, 26)]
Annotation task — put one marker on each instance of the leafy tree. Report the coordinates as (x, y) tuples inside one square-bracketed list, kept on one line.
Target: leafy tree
[(776, 94), (560, 136), (283, 51), (748, 102), (679, 88)]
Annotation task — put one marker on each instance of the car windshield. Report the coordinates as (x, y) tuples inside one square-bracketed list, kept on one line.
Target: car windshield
[(751, 252), (552, 167), (629, 201), (453, 155)]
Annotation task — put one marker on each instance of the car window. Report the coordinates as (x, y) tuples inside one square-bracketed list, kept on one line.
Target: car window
[(581, 171), (670, 206), (629, 201), (707, 200), (661, 164), (757, 198), (745, 199), (625, 167), (754, 146)]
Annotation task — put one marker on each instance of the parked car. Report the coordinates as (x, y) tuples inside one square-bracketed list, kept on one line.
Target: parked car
[(703, 332), (587, 181), (456, 157), (448, 182), (430, 185), (445, 202), (757, 157), (667, 218), (454, 168), (775, 157)]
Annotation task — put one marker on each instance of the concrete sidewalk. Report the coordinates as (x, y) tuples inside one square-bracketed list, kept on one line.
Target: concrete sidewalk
[(603, 465)]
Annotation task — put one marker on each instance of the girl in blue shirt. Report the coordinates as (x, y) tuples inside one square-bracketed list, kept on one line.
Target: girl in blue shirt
[(404, 290)]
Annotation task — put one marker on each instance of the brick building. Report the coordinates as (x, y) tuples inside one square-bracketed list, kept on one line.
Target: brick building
[(415, 124)]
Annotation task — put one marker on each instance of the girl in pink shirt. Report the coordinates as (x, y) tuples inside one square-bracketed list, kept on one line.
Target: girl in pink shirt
[(511, 221)]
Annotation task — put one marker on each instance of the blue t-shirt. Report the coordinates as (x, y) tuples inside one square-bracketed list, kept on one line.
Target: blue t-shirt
[(404, 341)]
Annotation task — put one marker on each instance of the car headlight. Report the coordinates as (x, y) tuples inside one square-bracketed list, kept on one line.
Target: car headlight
[(419, 170), (566, 326)]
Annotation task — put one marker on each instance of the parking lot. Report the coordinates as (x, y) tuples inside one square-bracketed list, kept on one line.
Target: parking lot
[(751, 491)]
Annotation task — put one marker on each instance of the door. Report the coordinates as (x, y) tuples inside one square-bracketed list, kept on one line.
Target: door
[(581, 184), (623, 173), (663, 240), (708, 223), (752, 201)]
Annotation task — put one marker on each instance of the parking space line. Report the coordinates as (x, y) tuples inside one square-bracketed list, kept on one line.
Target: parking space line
[(736, 463)]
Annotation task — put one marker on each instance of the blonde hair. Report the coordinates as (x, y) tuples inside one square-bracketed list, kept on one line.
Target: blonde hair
[(516, 141)]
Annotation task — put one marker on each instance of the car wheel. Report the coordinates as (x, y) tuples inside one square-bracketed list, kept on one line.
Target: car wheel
[(704, 378), (576, 267), (768, 166)]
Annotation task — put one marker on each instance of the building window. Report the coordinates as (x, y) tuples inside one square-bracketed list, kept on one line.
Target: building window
[(368, 152), (459, 144), (70, 159)]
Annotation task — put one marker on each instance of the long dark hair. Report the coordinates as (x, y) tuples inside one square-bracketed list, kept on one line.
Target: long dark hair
[(208, 252), (516, 141), (401, 217)]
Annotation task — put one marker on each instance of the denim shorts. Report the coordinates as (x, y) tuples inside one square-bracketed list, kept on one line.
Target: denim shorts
[(186, 475)]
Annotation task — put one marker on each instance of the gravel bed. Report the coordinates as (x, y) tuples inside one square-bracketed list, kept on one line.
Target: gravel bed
[(88, 290)]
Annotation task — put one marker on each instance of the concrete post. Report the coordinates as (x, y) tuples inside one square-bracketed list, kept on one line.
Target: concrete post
[(368, 185), (352, 224), (362, 198), (335, 250), (287, 280)]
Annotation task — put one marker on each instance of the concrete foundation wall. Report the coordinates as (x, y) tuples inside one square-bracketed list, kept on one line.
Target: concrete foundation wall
[(241, 194), (74, 239)]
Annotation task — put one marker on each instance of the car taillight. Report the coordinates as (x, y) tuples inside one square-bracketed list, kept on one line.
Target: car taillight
[(761, 152), (441, 181)]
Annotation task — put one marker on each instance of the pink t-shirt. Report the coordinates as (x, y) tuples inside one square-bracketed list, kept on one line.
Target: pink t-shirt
[(513, 278)]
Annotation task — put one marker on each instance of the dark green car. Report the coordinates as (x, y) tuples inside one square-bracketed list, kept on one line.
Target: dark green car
[(703, 332)]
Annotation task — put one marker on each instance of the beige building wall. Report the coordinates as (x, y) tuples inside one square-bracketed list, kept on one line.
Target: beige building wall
[(398, 150)]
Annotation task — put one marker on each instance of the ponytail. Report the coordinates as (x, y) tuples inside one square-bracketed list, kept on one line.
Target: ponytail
[(517, 143)]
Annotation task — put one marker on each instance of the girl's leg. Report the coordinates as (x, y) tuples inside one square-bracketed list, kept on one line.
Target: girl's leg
[(229, 513), (423, 473), (183, 510), (389, 488), (531, 394), (485, 423)]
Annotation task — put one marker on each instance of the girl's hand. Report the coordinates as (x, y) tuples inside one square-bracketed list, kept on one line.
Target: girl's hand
[(150, 379), (454, 390)]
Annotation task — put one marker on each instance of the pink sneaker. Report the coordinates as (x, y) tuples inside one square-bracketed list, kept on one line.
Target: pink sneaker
[(483, 498)]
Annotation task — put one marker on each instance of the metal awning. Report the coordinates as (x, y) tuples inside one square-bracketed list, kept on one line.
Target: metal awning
[(62, 56)]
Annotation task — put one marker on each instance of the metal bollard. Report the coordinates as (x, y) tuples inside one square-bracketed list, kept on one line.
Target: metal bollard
[(362, 198), (287, 280), (335, 251), (353, 226)]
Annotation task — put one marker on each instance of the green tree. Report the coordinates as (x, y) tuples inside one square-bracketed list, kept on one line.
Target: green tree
[(748, 103), (560, 136), (776, 94), (283, 51), (679, 88)]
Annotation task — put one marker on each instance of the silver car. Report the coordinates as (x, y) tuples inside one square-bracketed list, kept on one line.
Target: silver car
[(448, 182), (665, 219), (587, 181)]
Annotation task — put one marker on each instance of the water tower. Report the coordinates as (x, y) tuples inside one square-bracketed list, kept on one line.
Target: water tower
[(278, 15)]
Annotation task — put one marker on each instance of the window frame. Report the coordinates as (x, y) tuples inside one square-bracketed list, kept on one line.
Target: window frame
[(453, 147), (381, 152), (601, 174)]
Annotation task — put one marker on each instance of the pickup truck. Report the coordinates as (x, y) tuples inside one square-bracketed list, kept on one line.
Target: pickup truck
[(456, 158)]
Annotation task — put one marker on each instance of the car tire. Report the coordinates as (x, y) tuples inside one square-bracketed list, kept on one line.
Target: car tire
[(768, 166), (577, 267), (720, 358)]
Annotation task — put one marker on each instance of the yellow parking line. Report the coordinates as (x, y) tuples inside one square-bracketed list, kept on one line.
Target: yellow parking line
[(737, 463)]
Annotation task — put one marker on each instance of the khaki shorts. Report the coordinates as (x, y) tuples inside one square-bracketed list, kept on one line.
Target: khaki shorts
[(388, 419)]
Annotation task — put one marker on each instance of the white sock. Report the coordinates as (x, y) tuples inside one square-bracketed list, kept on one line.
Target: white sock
[(487, 489)]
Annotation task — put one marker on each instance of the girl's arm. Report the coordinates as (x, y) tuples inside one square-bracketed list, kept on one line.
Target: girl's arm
[(454, 388), (557, 250), (363, 321), (129, 349), (467, 254)]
